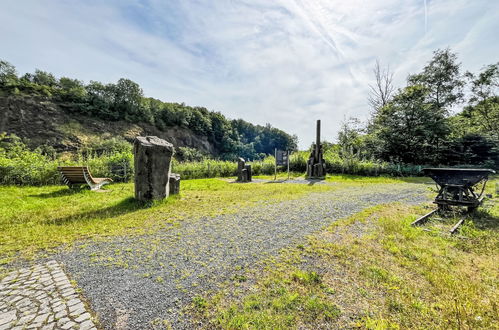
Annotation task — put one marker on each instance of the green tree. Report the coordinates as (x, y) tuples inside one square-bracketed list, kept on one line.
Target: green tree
[(350, 138), (44, 78), (8, 74), (442, 79), (127, 99), (409, 128), (72, 90), (483, 109)]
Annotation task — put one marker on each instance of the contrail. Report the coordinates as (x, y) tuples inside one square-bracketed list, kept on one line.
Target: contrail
[(425, 17)]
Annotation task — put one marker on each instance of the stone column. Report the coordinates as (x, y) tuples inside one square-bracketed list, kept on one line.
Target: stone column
[(152, 161), (240, 169)]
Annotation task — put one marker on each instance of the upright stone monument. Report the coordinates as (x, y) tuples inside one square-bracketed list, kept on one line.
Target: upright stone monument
[(152, 161), (316, 166), (174, 183), (243, 171)]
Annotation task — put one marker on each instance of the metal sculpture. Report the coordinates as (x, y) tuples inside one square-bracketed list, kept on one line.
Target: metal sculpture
[(316, 166)]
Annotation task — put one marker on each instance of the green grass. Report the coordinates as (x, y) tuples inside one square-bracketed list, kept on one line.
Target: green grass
[(394, 276), (34, 218)]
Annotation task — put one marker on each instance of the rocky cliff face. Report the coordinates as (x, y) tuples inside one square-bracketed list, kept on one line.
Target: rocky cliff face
[(43, 122)]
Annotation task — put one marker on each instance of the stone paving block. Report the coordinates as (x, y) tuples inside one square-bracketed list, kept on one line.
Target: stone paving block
[(82, 317), (40, 298), (87, 325), (7, 318), (68, 325)]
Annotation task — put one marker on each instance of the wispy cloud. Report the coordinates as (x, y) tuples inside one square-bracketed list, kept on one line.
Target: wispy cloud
[(286, 62)]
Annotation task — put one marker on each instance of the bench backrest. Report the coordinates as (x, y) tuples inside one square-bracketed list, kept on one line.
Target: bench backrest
[(74, 174)]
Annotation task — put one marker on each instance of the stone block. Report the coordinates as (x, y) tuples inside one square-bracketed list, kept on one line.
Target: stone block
[(174, 183), (153, 157)]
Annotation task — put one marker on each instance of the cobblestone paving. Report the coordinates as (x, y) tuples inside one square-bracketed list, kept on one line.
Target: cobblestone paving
[(41, 297)]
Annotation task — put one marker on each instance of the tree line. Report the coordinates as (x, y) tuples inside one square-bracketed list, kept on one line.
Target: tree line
[(443, 116), (125, 100)]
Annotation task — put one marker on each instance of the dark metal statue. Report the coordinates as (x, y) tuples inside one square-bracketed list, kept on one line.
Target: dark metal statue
[(316, 166)]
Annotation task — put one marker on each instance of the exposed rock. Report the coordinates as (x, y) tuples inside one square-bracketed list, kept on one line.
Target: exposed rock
[(152, 161), (42, 121)]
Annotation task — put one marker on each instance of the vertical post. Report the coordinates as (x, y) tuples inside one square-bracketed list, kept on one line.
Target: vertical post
[(288, 164), (124, 172), (275, 164), (317, 140)]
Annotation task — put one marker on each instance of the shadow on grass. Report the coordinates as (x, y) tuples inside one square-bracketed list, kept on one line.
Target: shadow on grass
[(60, 193), (127, 205), (484, 220)]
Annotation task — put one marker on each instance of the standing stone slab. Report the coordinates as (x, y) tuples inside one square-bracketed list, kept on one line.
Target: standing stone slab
[(152, 161), (243, 171), (174, 183)]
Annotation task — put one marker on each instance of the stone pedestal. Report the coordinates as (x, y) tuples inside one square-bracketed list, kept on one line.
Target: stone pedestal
[(174, 183), (152, 161), (243, 171)]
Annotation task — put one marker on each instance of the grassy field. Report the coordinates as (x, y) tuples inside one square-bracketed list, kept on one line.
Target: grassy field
[(373, 270), (34, 218)]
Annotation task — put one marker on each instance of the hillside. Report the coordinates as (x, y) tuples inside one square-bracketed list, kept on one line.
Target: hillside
[(41, 121), (68, 114)]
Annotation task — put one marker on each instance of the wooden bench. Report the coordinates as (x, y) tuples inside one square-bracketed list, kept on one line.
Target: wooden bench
[(78, 175)]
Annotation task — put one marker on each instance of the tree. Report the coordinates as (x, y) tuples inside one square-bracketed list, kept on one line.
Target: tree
[(44, 78), (8, 74), (127, 99), (483, 109), (442, 79), (72, 90), (409, 128), (350, 138), (381, 92)]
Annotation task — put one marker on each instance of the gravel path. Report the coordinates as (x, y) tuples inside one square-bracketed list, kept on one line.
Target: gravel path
[(143, 282)]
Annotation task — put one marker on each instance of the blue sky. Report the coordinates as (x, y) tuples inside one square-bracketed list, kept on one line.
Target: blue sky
[(284, 62)]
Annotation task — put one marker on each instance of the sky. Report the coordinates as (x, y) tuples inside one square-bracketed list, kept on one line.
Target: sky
[(283, 62)]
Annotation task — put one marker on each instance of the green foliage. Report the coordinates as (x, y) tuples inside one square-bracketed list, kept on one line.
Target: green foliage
[(414, 126), (8, 74), (124, 100), (409, 128), (186, 154), (21, 166), (442, 79)]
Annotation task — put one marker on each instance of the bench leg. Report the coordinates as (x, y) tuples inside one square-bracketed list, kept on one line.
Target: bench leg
[(94, 186), (97, 186)]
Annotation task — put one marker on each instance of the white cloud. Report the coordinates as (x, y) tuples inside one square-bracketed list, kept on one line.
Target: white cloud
[(286, 62)]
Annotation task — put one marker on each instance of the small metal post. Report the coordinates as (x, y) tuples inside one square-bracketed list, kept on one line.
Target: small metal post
[(288, 164), (275, 164), (124, 172)]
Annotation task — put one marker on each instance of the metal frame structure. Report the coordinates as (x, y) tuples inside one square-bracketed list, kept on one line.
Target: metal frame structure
[(459, 186), (456, 187)]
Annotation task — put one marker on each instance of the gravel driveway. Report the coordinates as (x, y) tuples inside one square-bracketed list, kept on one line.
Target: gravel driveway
[(143, 282)]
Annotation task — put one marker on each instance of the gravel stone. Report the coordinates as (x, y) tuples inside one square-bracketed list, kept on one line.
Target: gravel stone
[(161, 273)]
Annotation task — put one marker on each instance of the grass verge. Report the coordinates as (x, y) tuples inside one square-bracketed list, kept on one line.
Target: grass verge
[(34, 218), (372, 270)]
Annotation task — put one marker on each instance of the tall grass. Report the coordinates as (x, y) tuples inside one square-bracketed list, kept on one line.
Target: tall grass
[(210, 168), (21, 166)]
